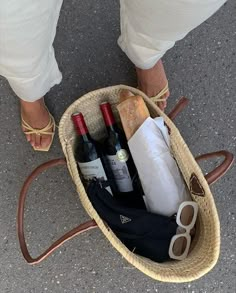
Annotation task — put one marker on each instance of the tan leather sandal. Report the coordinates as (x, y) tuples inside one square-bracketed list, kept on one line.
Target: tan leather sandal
[(44, 131), (158, 98)]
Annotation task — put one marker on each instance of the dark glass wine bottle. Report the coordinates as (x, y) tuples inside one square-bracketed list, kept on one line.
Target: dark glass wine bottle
[(88, 154), (121, 163)]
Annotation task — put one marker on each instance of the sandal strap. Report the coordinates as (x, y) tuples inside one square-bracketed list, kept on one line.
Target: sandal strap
[(158, 98), (43, 131)]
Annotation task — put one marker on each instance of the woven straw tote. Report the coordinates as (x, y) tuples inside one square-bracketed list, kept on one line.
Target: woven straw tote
[(205, 246)]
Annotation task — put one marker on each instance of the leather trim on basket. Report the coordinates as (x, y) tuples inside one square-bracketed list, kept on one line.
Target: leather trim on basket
[(195, 186)]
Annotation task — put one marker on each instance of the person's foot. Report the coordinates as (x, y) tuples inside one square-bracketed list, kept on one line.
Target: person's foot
[(152, 81), (36, 115)]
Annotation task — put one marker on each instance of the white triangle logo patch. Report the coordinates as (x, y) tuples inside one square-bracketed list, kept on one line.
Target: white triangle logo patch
[(124, 219)]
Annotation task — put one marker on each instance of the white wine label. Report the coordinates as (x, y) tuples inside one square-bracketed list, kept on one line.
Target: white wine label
[(122, 155), (121, 174), (93, 169)]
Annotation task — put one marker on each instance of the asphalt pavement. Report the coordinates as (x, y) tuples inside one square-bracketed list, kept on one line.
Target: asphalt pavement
[(201, 67)]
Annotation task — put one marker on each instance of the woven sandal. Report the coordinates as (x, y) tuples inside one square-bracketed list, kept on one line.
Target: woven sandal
[(43, 131), (158, 98)]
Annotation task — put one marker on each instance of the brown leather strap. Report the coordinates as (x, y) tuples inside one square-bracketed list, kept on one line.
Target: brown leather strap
[(219, 171), (20, 217), (182, 103)]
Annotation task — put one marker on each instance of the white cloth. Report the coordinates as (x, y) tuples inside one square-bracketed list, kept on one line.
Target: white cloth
[(162, 182), (151, 27), (27, 60), (148, 29)]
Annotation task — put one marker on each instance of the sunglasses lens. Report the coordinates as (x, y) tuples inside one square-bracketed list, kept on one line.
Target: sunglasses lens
[(179, 246), (187, 214)]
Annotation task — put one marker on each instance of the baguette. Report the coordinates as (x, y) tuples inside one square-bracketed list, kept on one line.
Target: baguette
[(133, 112), (124, 95)]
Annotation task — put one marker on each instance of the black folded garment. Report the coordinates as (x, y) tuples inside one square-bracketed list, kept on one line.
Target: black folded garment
[(144, 233)]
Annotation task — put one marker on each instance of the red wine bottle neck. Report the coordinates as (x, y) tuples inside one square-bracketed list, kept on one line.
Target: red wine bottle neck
[(80, 125), (107, 115)]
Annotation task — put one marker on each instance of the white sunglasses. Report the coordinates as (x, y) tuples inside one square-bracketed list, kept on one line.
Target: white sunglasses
[(186, 219)]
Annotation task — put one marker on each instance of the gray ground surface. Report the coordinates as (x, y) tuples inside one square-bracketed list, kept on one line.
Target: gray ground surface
[(202, 67)]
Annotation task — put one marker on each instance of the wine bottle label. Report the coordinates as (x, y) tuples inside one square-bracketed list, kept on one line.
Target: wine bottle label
[(121, 174), (93, 169), (122, 155)]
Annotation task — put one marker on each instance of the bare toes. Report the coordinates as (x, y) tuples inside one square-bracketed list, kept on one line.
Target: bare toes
[(162, 105), (45, 141), (37, 140), (28, 137), (32, 140)]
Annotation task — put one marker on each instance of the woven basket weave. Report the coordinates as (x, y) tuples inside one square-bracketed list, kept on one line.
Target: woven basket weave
[(206, 244)]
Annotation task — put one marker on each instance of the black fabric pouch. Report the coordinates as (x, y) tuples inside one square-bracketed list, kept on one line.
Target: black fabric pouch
[(144, 233)]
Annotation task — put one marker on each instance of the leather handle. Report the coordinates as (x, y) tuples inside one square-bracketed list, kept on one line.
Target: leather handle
[(182, 103), (220, 170), (20, 217)]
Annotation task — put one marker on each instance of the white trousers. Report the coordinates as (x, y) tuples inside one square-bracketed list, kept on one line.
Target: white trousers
[(148, 29)]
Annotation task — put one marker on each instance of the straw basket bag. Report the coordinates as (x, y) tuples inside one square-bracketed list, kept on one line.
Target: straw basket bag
[(205, 246)]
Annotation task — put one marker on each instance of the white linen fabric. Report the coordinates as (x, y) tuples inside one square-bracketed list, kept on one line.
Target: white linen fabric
[(27, 60), (149, 28), (28, 27), (162, 182)]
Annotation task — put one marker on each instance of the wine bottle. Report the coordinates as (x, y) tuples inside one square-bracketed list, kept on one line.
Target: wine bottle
[(88, 154), (120, 160)]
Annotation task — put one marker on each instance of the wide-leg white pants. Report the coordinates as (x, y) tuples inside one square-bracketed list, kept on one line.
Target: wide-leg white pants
[(151, 27), (148, 29)]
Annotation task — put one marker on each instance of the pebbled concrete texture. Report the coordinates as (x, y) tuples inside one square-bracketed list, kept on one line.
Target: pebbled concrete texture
[(201, 67)]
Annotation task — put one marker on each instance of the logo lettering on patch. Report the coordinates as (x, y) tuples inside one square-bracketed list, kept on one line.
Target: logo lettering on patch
[(124, 219)]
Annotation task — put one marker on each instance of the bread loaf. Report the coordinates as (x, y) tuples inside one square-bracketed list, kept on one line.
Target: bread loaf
[(124, 95), (133, 112)]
